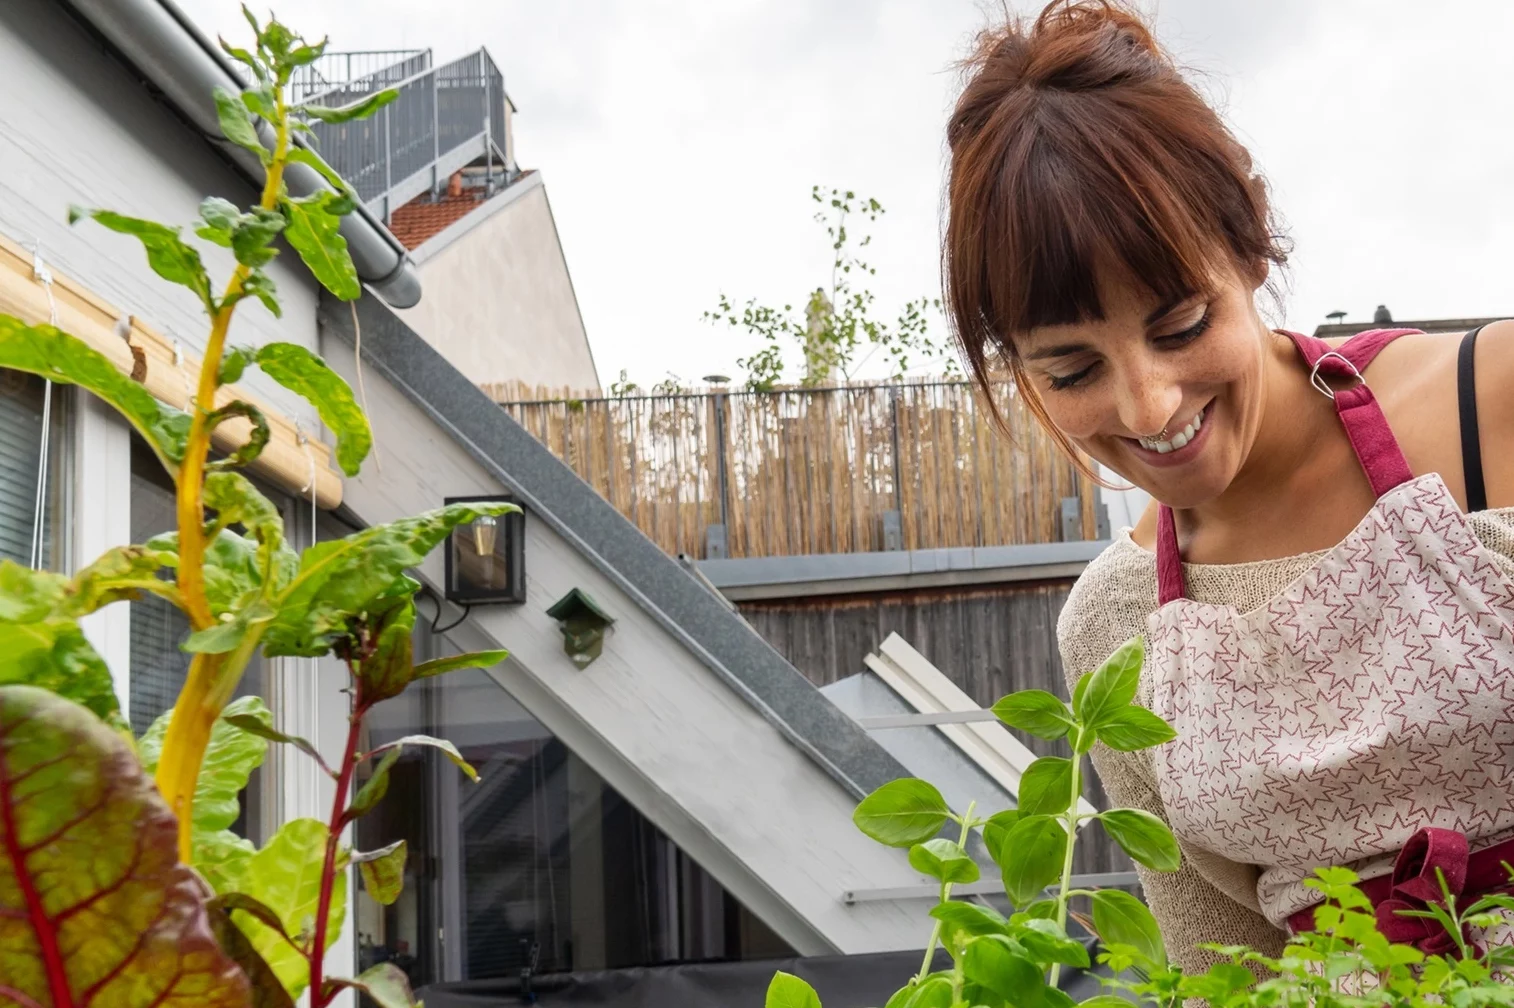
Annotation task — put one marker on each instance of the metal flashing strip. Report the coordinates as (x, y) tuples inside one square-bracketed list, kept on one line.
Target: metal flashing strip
[(845, 573), (1093, 880), (555, 495), (916, 720), (923, 686)]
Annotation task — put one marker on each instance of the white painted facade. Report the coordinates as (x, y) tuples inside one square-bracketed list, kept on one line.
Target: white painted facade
[(499, 301), (689, 751)]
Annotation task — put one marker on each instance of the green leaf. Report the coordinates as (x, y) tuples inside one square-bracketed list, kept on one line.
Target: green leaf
[(234, 364), (456, 663), (935, 992), (1144, 837), (309, 158), (231, 756), (959, 917), (232, 629), (313, 232), (383, 872), (902, 813), (306, 375), (1047, 942), (996, 831), (89, 868), (221, 858), (264, 729), (246, 58), (217, 217), (261, 102), (54, 655), (385, 984), (1133, 728), (55, 355), (991, 962), (237, 502), (343, 577), (346, 113), (285, 876), (252, 234), (1046, 787), (1105, 1001), (167, 253), (944, 860), (374, 788), (788, 991), (1121, 919), (266, 990), (1033, 855), (447, 749), (1078, 691), (1035, 711), (237, 126), (26, 595), (1112, 685), (260, 286), (389, 669), (257, 438)]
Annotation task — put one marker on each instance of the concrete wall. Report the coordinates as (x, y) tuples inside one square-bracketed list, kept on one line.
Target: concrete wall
[(499, 303), (77, 127)]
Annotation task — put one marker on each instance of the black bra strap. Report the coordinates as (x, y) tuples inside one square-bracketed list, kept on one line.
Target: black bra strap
[(1471, 444)]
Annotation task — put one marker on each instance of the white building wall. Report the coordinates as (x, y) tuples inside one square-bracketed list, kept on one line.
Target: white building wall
[(499, 301), (76, 127)]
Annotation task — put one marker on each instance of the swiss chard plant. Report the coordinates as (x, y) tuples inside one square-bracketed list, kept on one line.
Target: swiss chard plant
[(1016, 961), (121, 883)]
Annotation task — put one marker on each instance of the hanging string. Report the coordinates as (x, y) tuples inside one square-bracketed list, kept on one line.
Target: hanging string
[(309, 487), (362, 393), (178, 365), (44, 276)]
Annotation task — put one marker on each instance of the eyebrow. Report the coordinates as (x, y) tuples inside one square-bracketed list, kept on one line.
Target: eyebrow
[(1068, 349)]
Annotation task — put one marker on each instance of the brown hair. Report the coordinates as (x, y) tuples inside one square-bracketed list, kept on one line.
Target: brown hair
[(1078, 147)]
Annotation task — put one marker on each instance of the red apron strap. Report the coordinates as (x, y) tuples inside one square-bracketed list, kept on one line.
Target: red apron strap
[(1373, 441)]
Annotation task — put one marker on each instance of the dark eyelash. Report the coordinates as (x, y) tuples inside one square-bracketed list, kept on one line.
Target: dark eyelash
[(1068, 381), (1188, 335), (1177, 339)]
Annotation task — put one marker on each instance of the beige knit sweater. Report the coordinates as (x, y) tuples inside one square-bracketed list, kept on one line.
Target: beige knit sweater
[(1209, 899)]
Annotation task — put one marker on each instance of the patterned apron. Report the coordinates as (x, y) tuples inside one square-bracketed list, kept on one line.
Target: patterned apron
[(1364, 716)]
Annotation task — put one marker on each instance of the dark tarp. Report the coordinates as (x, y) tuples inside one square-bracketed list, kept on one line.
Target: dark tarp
[(856, 981)]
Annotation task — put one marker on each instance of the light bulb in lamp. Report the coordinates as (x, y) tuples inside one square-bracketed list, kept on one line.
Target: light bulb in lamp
[(485, 532)]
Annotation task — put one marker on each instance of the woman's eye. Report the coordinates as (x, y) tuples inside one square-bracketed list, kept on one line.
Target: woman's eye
[(1068, 381), (1187, 336)]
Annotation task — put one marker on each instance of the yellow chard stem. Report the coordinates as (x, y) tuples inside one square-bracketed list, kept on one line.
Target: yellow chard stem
[(212, 678)]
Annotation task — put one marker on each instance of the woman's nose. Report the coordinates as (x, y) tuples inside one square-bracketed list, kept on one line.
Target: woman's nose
[(1148, 403)]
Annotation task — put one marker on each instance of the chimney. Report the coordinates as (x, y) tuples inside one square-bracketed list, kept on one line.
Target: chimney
[(1381, 316), (455, 185)]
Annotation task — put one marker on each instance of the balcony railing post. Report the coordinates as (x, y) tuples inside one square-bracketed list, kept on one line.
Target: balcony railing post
[(436, 133), (722, 479), (388, 162)]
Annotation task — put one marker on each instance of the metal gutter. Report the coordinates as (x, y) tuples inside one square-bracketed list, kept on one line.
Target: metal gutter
[(848, 573), (168, 50)]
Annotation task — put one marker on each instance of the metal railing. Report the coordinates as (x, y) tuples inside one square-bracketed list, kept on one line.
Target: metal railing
[(915, 465), (444, 118)]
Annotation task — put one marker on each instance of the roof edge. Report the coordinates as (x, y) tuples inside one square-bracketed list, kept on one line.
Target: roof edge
[(676, 600), (438, 243)]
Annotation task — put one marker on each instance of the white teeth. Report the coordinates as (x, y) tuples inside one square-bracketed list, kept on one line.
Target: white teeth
[(1179, 440)]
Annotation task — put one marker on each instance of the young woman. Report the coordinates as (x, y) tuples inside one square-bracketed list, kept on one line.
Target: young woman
[(1327, 589)]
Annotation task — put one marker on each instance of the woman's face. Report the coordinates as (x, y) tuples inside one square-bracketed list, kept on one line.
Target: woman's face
[(1194, 369)]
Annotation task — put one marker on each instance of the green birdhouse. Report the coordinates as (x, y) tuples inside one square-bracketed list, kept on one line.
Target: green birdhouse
[(583, 626)]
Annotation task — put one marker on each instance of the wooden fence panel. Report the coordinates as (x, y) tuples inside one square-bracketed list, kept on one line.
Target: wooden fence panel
[(800, 471)]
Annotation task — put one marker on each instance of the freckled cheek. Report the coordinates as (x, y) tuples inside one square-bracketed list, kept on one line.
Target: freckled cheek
[(1084, 417)]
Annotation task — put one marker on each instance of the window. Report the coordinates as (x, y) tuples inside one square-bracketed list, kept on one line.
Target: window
[(540, 863), (22, 403)]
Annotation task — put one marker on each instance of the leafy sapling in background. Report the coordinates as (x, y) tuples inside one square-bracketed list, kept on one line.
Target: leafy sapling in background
[(123, 889)]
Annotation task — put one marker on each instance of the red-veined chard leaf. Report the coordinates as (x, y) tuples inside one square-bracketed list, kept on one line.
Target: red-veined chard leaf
[(128, 931)]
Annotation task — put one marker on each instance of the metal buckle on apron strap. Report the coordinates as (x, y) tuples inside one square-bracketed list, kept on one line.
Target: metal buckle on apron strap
[(1319, 382)]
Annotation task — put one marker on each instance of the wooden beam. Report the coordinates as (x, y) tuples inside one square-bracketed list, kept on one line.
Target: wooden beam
[(285, 462)]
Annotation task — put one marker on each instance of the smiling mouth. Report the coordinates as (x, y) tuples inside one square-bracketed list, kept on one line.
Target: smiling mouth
[(1178, 440)]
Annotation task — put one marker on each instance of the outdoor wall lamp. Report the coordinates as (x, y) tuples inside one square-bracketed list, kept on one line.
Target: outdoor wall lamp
[(583, 626), (486, 559)]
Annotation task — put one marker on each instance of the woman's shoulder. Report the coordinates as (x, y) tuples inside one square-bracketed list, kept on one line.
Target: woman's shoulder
[(1108, 604)]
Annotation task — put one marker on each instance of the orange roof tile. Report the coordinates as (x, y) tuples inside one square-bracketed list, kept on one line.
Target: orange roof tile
[(423, 217)]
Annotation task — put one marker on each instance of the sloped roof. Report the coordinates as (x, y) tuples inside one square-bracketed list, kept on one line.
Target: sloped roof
[(423, 217)]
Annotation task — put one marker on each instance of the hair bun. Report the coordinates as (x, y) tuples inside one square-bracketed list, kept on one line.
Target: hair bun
[(1083, 45)]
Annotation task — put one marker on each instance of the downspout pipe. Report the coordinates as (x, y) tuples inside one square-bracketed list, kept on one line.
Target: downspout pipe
[(186, 66)]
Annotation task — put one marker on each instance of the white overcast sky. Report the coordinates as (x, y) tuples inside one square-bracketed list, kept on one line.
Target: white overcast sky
[(679, 140)]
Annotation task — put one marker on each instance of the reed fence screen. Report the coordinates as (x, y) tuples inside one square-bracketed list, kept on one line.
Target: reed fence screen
[(803, 471)]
